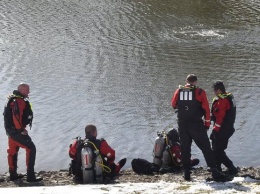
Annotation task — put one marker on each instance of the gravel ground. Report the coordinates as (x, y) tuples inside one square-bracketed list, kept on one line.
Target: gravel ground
[(62, 177)]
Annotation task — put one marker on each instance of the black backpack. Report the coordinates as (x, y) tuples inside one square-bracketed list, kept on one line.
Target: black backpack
[(142, 166)]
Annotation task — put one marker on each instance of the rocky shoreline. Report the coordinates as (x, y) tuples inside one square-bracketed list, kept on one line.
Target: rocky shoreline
[(62, 177)]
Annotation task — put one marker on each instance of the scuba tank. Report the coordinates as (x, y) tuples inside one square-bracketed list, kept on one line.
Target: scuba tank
[(166, 159), (158, 148), (92, 164), (87, 164), (166, 152), (98, 168)]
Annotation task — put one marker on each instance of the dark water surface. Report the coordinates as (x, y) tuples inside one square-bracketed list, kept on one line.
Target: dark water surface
[(117, 63)]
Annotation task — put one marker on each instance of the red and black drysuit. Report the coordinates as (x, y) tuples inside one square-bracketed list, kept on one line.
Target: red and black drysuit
[(192, 105), (223, 115), (175, 155), (17, 115), (107, 154), (175, 150)]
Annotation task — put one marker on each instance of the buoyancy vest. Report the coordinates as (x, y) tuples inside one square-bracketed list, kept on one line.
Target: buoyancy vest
[(230, 116), (11, 110), (189, 108)]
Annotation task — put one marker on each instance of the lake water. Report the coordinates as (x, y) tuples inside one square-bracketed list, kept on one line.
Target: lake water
[(117, 63)]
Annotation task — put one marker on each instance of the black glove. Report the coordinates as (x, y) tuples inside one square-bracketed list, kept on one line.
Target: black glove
[(213, 135), (207, 127)]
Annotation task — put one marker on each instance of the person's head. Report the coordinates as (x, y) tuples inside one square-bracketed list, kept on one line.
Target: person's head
[(192, 79), (173, 135), (91, 130), (219, 87), (23, 89)]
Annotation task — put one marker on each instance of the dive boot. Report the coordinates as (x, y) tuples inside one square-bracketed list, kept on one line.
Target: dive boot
[(218, 176), (122, 162), (194, 162), (187, 173), (14, 176), (233, 171), (33, 178)]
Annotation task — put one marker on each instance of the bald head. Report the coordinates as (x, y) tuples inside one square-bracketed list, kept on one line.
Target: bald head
[(24, 89)]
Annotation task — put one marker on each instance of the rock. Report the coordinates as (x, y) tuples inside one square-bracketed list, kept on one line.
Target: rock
[(2, 179), (62, 177)]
